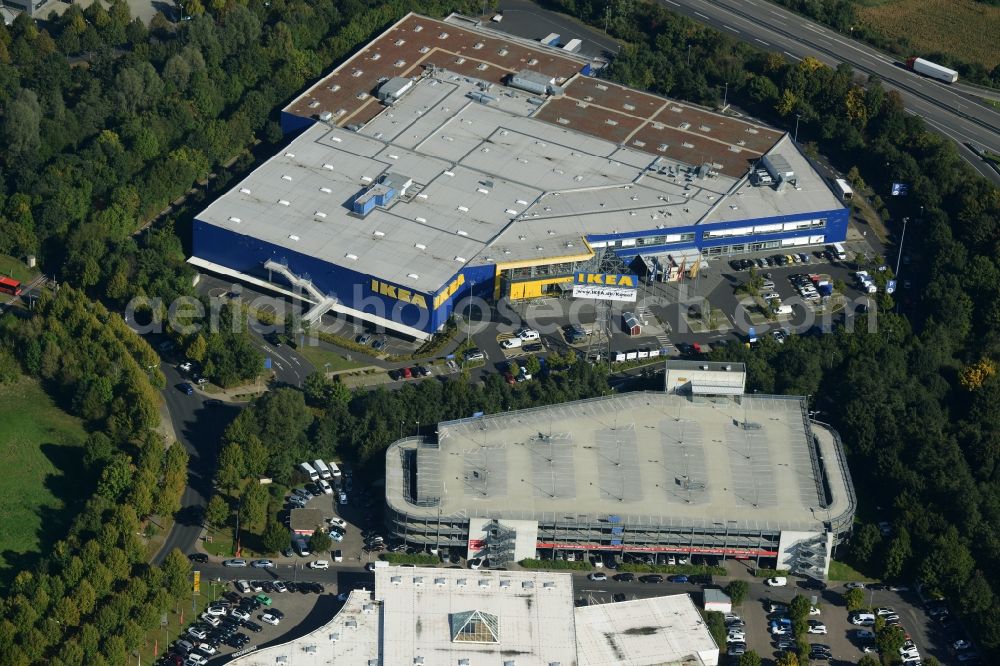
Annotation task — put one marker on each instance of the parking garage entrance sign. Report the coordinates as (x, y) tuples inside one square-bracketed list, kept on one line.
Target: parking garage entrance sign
[(605, 286)]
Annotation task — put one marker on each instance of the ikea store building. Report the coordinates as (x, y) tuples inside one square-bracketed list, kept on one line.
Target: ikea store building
[(445, 160)]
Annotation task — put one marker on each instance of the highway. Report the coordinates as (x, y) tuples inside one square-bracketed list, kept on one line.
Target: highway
[(951, 111)]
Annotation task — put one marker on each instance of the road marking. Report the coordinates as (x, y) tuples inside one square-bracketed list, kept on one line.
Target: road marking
[(729, 27), (701, 15), (673, 3), (758, 39), (792, 56)]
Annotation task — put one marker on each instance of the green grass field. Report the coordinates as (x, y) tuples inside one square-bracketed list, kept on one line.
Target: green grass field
[(16, 268), (41, 455), (960, 28), (319, 357), (844, 572)]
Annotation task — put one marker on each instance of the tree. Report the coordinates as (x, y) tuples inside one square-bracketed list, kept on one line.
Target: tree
[(868, 660), (276, 537), (254, 509), (787, 659), (799, 607), (717, 626), (737, 590), (889, 639), (320, 542), (749, 658), (217, 512), (176, 574), (854, 599)]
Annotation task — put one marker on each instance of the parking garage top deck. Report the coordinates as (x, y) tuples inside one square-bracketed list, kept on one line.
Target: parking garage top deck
[(647, 458)]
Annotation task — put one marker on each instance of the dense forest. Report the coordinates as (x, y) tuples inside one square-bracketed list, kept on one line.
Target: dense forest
[(94, 596), (916, 400)]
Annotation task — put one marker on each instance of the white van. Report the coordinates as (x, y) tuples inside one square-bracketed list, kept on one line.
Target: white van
[(783, 310), (324, 471), (838, 251), (334, 470), (778, 581), (511, 343), (308, 470)]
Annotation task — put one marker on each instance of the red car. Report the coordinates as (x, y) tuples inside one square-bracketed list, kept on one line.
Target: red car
[(407, 373)]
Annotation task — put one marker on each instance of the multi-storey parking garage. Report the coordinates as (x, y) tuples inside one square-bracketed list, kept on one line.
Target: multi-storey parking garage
[(703, 470), (445, 160)]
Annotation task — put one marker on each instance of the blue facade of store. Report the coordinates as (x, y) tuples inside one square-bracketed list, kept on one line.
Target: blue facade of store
[(354, 289), (704, 237)]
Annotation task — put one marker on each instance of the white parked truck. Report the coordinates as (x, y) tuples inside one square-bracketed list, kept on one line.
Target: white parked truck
[(933, 70), (573, 45)]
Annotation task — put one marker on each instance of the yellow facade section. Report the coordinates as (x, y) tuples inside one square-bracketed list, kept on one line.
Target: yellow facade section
[(533, 288)]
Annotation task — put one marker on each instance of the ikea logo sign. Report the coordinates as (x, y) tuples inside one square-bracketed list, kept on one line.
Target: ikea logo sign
[(398, 293), (606, 279), (415, 297)]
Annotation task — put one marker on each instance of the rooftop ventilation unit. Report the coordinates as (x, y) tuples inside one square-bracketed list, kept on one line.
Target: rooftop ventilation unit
[(293, 237), (325, 190), (352, 257), (319, 213), (378, 234), (328, 166), (235, 219), (244, 190), (420, 246), (284, 202), (286, 177), (414, 276), (289, 154), (460, 260)]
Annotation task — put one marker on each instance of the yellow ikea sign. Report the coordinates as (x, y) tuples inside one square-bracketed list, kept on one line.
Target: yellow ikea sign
[(449, 291), (414, 297), (398, 293), (606, 279)]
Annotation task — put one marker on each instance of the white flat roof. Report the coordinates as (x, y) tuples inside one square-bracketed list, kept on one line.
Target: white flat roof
[(492, 184), (533, 613), (644, 632)]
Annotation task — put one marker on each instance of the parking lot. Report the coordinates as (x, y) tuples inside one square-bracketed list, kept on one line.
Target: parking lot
[(301, 608)]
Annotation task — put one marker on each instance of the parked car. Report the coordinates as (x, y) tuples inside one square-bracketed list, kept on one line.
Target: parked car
[(598, 576), (270, 619), (198, 558), (777, 581), (474, 355), (279, 586), (262, 564), (625, 577), (234, 563), (679, 578), (652, 578), (240, 614), (319, 564)]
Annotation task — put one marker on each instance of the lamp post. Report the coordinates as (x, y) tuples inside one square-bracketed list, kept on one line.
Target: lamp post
[(901, 239), (725, 97)]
